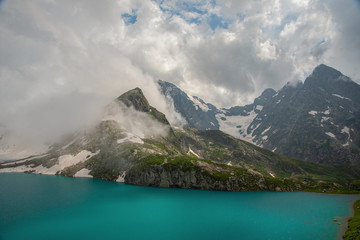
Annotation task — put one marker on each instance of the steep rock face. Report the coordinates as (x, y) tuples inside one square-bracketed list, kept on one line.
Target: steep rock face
[(315, 121), (135, 98), (196, 178), (200, 174), (197, 113), (318, 120)]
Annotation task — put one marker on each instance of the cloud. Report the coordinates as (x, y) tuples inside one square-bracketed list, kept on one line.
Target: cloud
[(138, 123), (61, 61), (57, 72)]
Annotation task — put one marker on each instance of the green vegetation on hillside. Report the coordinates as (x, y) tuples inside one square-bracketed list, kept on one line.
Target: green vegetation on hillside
[(353, 230)]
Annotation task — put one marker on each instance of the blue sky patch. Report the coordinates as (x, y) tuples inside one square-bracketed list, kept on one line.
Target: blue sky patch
[(197, 20), (200, 8), (183, 7), (1, 3), (188, 7), (357, 2), (273, 31), (241, 16), (129, 18), (216, 21), (320, 42)]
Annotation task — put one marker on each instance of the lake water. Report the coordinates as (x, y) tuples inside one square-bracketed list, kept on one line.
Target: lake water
[(54, 207)]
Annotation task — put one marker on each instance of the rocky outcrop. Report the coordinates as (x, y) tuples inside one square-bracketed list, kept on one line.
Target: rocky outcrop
[(209, 177), (135, 98), (196, 178)]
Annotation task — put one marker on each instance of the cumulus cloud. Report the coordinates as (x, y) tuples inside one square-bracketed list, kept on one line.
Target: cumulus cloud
[(63, 61)]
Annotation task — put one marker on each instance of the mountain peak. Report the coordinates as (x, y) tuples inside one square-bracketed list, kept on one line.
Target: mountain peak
[(168, 88), (161, 82), (136, 99), (195, 111), (325, 72), (324, 67), (268, 93)]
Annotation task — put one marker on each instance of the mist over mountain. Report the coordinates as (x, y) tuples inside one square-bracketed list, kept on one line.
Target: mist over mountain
[(135, 143)]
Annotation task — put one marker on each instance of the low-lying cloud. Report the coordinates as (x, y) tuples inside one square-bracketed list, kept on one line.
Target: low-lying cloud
[(138, 123)]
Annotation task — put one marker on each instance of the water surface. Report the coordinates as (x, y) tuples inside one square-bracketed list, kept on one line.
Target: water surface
[(55, 207)]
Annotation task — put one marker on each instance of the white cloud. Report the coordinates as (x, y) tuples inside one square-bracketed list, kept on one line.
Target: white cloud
[(266, 51), (138, 123), (63, 60), (301, 3)]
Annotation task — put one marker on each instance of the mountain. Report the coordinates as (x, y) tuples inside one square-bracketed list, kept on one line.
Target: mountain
[(134, 143), (135, 98), (197, 113), (317, 121)]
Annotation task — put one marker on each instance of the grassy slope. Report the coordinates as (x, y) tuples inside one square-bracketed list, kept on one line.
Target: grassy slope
[(225, 147), (353, 231)]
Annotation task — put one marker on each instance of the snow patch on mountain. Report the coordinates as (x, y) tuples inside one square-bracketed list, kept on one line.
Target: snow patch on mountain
[(237, 126), (324, 119), (18, 169), (130, 138), (191, 151), (121, 177), (312, 112), (83, 173), (266, 130), (330, 134), (70, 160), (346, 130), (198, 104), (339, 96), (271, 174), (327, 111), (62, 163)]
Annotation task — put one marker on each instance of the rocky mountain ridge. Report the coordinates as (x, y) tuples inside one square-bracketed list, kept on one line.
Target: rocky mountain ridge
[(317, 120), (187, 158)]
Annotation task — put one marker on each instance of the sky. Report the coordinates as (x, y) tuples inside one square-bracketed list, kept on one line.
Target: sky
[(62, 61)]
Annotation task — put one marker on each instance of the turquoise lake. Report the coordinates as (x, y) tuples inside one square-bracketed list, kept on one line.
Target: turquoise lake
[(55, 207)]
